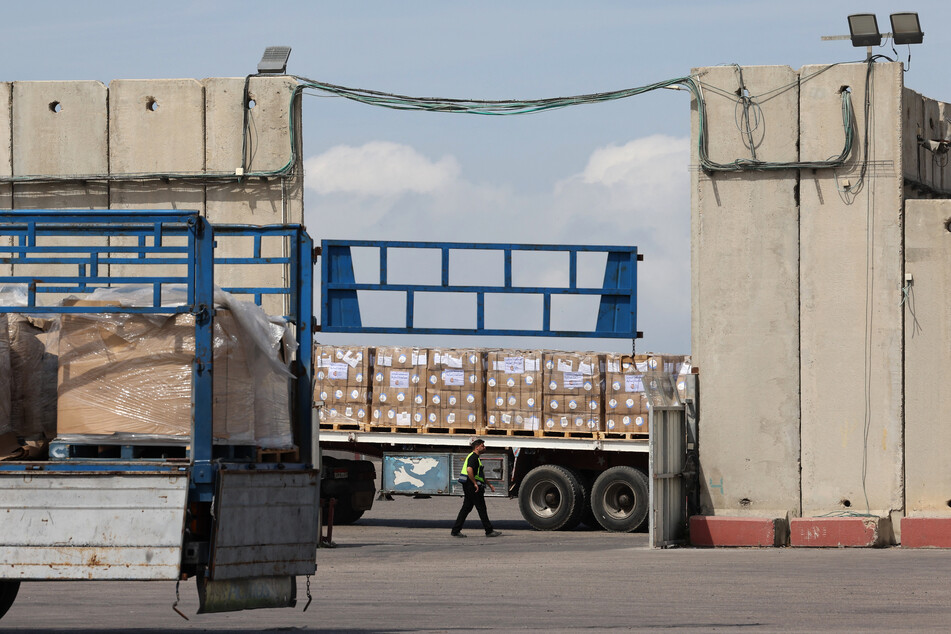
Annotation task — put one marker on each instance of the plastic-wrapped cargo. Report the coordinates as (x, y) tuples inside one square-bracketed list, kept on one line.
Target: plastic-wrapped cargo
[(513, 389), (454, 389), (342, 381), (572, 391), (399, 386), (33, 366), (272, 391), (131, 374), (6, 401)]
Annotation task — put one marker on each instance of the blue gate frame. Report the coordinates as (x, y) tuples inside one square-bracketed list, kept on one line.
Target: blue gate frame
[(617, 314)]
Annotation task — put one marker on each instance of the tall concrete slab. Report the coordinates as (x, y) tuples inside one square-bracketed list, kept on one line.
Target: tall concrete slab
[(745, 298), (156, 128), (60, 131), (927, 358), (914, 156), (261, 196), (851, 280)]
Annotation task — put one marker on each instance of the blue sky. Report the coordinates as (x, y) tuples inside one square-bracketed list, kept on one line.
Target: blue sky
[(603, 174)]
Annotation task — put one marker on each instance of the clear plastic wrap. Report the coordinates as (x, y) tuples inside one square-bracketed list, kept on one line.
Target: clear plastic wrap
[(132, 374), (29, 370), (399, 386), (33, 365), (272, 392), (6, 401)]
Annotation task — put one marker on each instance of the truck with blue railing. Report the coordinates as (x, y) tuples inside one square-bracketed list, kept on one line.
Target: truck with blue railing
[(182, 443), (416, 408)]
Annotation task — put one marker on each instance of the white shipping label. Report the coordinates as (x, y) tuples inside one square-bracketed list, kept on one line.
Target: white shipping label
[(633, 383), (399, 378), (641, 366), (564, 365), (453, 377), (573, 380), (452, 362), (514, 365), (532, 365), (337, 371), (350, 359), (386, 362), (585, 368), (614, 366), (419, 358), (403, 419)]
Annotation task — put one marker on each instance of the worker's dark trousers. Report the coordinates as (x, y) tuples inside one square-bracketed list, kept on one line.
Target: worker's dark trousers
[(476, 499)]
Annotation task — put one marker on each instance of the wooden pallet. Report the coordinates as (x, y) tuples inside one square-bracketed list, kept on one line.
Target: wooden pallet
[(495, 431), (452, 431), (392, 429), (552, 433), (624, 435), (91, 448), (348, 426), (279, 455)]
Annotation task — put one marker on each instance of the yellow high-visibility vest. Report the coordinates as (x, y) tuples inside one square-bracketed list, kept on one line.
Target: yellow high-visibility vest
[(477, 470)]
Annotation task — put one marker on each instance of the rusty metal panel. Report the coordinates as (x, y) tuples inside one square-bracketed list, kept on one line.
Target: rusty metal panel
[(91, 526), (266, 524)]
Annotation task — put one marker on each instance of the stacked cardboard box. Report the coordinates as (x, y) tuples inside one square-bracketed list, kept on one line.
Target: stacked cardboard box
[(625, 401), (399, 386), (132, 374), (454, 389), (571, 391), (342, 382), (513, 389)]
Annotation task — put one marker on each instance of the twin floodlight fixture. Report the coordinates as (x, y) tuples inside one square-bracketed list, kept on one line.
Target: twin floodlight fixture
[(863, 29)]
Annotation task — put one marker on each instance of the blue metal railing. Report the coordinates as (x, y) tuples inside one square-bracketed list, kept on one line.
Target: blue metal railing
[(183, 243), (617, 314)]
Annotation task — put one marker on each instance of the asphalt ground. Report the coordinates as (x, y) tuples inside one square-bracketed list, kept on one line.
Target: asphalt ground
[(398, 570)]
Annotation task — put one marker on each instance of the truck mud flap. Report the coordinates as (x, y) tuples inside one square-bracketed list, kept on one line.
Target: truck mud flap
[(266, 524), (232, 595)]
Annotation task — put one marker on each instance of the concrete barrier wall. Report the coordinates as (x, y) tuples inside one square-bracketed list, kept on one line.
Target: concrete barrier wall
[(745, 298), (851, 320), (155, 144), (927, 173), (927, 358)]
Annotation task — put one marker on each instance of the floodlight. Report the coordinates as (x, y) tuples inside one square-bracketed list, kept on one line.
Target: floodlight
[(274, 60), (906, 29), (863, 28)]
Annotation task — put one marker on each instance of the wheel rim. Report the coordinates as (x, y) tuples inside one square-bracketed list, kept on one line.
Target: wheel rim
[(619, 501), (545, 499)]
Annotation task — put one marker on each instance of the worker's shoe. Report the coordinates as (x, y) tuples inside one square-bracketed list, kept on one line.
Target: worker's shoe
[(457, 534), (493, 534)]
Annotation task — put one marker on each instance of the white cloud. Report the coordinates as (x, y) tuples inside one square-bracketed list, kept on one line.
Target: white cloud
[(636, 193), (378, 168)]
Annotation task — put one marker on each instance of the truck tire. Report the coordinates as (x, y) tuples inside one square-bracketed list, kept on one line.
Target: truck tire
[(584, 487), (344, 513), (619, 499), (8, 593), (551, 498)]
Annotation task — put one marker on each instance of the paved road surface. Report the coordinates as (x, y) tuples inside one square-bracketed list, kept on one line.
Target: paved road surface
[(399, 571)]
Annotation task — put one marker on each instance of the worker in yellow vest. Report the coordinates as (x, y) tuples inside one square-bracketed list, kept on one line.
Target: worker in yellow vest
[(473, 488)]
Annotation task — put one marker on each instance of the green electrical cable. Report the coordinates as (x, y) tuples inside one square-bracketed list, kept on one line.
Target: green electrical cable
[(478, 107)]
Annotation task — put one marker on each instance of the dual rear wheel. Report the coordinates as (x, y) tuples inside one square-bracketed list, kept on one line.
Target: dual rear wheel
[(553, 497)]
